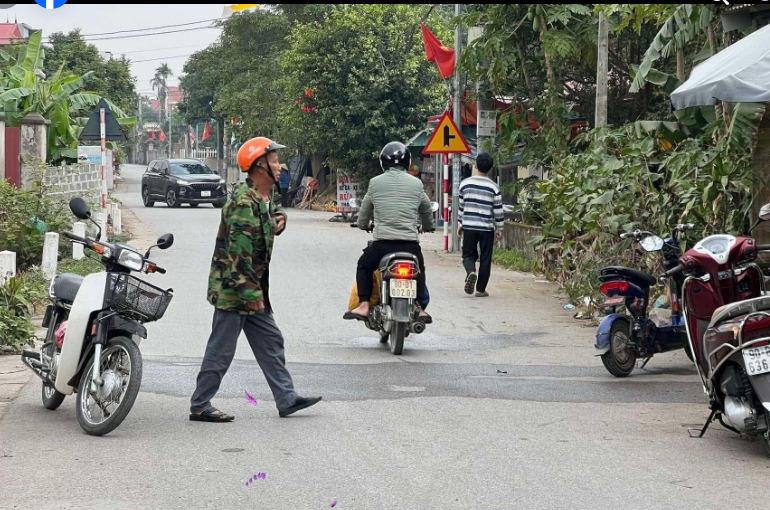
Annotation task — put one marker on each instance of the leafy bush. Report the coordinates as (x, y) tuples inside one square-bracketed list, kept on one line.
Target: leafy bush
[(515, 259), (625, 180), (24, 218), (82, 267), (18, 299)]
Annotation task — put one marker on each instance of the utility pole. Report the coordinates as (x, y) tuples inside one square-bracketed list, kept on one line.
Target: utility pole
[(458, 122), (602, 64), (168, 112), (486, 120)]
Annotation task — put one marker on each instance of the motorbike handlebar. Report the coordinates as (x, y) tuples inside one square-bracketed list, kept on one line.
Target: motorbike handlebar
[(73, 237), (160, 270), (763, 247), (683, 227), (678, 269)]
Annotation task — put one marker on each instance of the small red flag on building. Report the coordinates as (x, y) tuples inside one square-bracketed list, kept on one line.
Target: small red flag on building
[(206, 132), (152, 136), (162, 136), (436, 52)]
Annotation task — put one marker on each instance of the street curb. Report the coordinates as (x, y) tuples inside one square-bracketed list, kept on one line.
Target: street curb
[(14, 375)]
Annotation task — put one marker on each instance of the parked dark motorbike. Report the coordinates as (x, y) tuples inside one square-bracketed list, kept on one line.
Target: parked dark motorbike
[(727, 317), (622, 338)]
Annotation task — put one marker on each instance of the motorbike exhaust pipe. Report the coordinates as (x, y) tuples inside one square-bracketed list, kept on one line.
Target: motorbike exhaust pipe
[(417, 328), (31, 360)]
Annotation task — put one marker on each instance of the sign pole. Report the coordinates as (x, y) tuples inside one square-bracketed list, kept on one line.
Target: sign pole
[(104, 158), (446, 202), (458, 123)]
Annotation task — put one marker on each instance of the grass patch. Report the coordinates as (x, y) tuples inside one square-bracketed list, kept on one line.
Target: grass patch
[(515, 260), (80, 267)]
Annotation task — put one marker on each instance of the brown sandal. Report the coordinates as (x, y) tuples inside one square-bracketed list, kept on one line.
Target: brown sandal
[(212, 415)]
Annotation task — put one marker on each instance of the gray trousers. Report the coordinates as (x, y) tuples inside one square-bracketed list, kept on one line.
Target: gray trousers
[(266, 342)]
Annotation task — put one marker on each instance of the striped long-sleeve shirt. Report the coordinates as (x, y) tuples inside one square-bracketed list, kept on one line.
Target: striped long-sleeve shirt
[(481, 204)]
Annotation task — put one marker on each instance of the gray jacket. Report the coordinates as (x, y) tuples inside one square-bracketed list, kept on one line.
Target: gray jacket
[(398, 204)]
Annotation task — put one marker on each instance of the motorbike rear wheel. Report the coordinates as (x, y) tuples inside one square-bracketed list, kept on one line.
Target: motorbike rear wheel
[(620, 360), (52, 399), (121, 372), (397, 338)]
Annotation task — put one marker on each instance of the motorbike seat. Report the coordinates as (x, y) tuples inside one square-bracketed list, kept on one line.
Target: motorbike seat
[(732, 310), (386, 260), (639, 278), (66, 286)]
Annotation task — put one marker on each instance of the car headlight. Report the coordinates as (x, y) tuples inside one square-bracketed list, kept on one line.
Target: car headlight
[(131, 260), (222, 181), (182, 183)]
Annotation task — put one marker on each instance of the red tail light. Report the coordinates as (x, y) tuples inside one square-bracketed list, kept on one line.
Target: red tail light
[(614, 287), (403, 271)]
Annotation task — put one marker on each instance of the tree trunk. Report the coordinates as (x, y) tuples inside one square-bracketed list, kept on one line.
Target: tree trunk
[(680, 65), (761, 170), (525, 72), (602, 65), (317, 166)]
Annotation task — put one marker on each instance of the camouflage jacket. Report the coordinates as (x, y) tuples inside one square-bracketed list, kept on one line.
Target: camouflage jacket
[(238, 280)]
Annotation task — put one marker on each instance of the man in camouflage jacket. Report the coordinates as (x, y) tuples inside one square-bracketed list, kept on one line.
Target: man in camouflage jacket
[(239, 288)]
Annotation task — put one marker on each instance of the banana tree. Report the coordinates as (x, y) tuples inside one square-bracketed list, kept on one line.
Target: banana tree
[(26, 90)]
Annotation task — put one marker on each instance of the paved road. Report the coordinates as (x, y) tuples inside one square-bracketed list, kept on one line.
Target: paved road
[(500, 405)]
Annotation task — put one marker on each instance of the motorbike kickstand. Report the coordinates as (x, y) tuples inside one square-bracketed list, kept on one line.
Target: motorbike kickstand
[(647, 360), (702, 431)]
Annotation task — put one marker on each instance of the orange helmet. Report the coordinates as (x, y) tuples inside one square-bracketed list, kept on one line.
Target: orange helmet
[(255, 149)]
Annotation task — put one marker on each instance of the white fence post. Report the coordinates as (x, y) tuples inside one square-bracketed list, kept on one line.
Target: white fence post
[(101, 220), (79, 229), (117, 221), (50, 254), (7, 266)]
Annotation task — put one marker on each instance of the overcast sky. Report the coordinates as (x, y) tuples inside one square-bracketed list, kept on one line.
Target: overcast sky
[(96, 19)]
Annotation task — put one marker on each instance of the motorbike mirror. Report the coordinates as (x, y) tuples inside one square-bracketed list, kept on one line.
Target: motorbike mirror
[(433, 207), (165, 241), (354, 202), (764, 213), (652, 243), (80, 209)]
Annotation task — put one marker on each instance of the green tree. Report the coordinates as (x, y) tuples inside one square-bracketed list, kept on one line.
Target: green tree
[(159, 83), (359, 81)]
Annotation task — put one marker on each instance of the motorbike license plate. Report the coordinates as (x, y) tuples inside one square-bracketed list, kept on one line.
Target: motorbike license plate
[(757, 360), (403, 289), (205, 194), (615, 301)]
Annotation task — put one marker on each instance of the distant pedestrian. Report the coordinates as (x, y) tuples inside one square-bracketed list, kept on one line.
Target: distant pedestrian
[(481, 221), (285, 182)]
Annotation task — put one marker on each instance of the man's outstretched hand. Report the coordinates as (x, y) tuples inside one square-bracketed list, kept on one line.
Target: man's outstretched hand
[(281, 224), (460, 231)]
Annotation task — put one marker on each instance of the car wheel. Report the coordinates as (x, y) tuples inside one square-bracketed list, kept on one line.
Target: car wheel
[(171, 199), (146, 197)]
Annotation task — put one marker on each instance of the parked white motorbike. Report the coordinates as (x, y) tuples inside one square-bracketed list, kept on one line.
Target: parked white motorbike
[(95, 325)]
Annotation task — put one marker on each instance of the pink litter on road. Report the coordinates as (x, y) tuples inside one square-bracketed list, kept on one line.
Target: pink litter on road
[(258, 476), (251, 399), (334, 503)]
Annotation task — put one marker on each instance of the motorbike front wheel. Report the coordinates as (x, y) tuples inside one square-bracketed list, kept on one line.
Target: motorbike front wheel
[(620, 360), (101, 409), (397, 338)]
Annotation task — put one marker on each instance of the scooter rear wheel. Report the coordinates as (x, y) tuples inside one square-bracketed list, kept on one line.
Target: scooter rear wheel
[(397, 338), (620, 360)]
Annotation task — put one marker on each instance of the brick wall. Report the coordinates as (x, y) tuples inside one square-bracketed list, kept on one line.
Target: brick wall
[(70, 181)]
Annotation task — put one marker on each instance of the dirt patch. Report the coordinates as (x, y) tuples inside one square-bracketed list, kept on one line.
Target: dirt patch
[(142, 235)]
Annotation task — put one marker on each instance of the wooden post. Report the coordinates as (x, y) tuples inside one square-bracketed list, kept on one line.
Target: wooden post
[(50, 255), (7, 266), (79, 229)]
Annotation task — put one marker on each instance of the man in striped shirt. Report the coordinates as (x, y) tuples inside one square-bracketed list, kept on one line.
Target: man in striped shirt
[(481, 215)]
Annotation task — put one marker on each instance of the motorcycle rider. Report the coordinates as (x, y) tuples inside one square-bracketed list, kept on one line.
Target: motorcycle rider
[(397, 203)]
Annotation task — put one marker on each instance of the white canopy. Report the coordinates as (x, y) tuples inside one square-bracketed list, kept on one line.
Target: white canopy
[(737, 74)]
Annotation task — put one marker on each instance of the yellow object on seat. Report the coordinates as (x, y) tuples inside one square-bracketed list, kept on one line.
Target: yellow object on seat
[(374, 300)]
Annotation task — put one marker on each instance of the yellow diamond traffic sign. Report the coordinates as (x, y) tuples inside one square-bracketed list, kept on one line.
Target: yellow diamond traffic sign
[(446, 139)]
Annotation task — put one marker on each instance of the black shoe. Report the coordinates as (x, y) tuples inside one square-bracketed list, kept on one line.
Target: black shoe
[(470, 283), (299, 404)]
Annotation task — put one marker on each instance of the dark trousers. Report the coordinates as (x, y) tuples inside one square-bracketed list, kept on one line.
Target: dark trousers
[(473, 242), (284, 197), (266, 342), (370, 261)]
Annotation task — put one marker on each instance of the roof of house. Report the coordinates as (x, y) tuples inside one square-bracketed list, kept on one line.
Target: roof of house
[(175, 94), (9, 32)]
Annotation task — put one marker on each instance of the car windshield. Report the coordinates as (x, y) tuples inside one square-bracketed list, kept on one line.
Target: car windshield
[(189, 169)]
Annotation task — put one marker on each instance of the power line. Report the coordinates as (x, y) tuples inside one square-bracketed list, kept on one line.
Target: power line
[(159, 49), (160, 58), (153, 28), (145, 35)]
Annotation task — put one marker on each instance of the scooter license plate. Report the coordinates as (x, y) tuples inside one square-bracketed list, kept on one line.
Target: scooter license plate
[(757, 360), (615, 301), (403, 289)]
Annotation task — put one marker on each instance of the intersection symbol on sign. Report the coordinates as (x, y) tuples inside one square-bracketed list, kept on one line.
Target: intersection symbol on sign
[(446, 138)]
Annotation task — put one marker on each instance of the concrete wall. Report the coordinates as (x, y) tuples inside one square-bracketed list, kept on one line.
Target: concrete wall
[(68, 182), (517, 235)]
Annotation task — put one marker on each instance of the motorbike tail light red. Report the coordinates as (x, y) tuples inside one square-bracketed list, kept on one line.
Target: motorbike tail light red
[(612, 288), (403, 271)]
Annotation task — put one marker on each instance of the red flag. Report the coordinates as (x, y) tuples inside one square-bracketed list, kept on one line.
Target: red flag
[(206, 132), (162, 136), (436, 52), (153, 136), (192, 133)]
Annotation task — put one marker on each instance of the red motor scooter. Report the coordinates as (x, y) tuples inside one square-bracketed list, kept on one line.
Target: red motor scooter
[(727, 317)]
